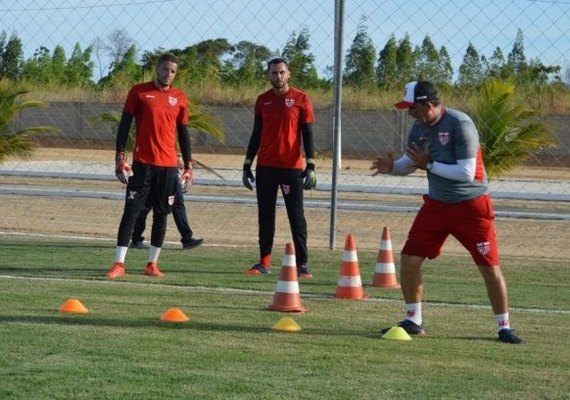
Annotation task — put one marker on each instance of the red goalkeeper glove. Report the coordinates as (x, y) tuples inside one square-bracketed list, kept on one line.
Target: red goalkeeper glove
[(187, 176), (122, 169)]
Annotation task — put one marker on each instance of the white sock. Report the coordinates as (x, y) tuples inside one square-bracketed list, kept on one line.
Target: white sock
[(120, 254), (414, 312), (502, 321), (153, 254)]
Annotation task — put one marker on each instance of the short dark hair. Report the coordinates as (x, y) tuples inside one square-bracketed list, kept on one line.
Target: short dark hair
[(277, 60), (167, 57)]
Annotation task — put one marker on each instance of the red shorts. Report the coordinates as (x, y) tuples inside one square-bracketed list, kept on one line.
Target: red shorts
[(470, 222)]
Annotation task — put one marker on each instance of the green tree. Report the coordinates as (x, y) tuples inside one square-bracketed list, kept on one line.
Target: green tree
[(148, 58), (510, 132), (79, 67), (124, 73), (37, 69), (248, 64), (118, 44), (201, 64), (44, 68), (3, 37), (301, 61), (387, 67), (58, 65), (516, 60), (539, 74), (405, 60), (444, 74), (496, 64), (360, 58), (471, 70), (16, 142), (12, 59), (427, 61)]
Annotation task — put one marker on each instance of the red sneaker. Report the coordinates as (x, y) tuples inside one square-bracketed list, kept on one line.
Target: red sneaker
[(258, 269), (116, 271), (304, 272), (152, 270)]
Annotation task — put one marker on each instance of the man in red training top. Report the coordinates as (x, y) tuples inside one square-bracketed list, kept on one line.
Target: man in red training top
[(282, 127), (161, 115)]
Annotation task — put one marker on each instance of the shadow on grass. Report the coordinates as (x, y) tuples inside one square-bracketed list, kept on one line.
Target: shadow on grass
[(54, 272), (51, 246), (82, 320)]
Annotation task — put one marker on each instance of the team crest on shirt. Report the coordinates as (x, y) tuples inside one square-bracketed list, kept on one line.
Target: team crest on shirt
[(483, 248), (443, 137), (172, 101), (170, 200), (289, 102)]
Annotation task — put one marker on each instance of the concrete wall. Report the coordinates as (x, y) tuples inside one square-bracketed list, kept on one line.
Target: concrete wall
[(363, 132)]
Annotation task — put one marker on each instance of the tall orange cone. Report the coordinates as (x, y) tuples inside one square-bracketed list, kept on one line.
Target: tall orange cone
[(385, 271), (287, 297), (349, 284), (73, 306)]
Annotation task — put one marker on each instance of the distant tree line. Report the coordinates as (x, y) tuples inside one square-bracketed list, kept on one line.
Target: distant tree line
[(219, 62)]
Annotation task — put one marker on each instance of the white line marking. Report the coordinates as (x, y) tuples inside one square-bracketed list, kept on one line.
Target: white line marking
[(102, 239), (211, 290)]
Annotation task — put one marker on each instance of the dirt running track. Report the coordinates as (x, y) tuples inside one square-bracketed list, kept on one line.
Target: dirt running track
[(235, 224)]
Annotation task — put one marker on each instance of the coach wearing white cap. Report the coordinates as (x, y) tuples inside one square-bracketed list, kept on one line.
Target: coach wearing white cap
[(444, 142)]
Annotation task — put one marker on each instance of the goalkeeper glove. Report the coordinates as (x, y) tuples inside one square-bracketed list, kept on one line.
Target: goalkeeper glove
[(247, 176), (187, 176), (122, 169), (309, 176)]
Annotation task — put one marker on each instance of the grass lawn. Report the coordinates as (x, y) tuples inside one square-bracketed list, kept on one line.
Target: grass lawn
[(122, 350)]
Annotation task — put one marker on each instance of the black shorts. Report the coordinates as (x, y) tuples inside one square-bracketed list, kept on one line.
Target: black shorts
[(152, 187)]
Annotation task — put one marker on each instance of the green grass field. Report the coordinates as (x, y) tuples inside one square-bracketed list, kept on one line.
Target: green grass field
[(121, 349)]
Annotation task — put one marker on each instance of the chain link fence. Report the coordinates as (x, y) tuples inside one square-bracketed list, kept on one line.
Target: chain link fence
[(69, 188)]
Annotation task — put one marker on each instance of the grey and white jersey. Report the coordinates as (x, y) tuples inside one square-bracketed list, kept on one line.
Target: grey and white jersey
[(454, 137)]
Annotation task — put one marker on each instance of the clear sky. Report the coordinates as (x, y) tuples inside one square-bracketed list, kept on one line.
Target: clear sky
[(170, 24)]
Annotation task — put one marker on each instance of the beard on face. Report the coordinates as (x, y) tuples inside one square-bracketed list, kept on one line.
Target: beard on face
[(278, 84)]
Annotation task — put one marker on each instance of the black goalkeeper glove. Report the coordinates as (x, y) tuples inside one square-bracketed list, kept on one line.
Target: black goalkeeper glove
[(247, 176), (309, 176)]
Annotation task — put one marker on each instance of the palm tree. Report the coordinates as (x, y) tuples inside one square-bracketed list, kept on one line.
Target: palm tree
[(510, 132), (17, 143)]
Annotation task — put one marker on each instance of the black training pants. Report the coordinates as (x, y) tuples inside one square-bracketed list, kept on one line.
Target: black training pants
[(153, 187), (178, 213), (268, 180)]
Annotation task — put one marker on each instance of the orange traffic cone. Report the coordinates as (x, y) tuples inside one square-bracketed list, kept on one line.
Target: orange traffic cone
[(385, 272), (287, 297), (349, 284), (73, 306), (174, 315)]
